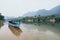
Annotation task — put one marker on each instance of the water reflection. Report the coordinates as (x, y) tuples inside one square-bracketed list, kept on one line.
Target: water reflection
[(15, 30), (50, 24), (31, 32), (1, 24), (40, 32)]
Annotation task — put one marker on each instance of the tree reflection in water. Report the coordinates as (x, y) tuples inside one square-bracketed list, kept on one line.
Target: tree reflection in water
[(15, 30), (1, 24)]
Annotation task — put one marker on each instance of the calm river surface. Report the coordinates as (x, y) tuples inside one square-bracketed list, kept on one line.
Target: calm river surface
[(30, 32)]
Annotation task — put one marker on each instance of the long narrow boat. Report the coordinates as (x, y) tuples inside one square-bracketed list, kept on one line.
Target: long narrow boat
[(15, 24)]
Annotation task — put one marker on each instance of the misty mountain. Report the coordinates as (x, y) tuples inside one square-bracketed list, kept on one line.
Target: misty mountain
[(8, 18), (55, 10), (44, 12), (30, 14)]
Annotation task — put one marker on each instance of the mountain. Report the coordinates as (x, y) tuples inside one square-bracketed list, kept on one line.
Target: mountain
[(55, 10), (30, 14), (44, 12), (8, 18)]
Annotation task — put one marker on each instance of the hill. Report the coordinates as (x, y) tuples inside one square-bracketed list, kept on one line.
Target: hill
[(44, 12)]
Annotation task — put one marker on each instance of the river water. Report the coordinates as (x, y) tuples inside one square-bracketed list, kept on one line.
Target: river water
[(30, 32)]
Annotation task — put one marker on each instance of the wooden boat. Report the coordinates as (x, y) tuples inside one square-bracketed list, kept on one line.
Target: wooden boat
[(15, 24)]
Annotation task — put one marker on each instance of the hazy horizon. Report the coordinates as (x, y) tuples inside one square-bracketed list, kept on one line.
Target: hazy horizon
[(20, 7)]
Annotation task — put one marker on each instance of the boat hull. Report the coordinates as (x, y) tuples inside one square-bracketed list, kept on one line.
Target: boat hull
[(14, 25)]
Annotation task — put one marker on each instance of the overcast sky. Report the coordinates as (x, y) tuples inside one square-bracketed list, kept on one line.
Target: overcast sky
[(19, 7)]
